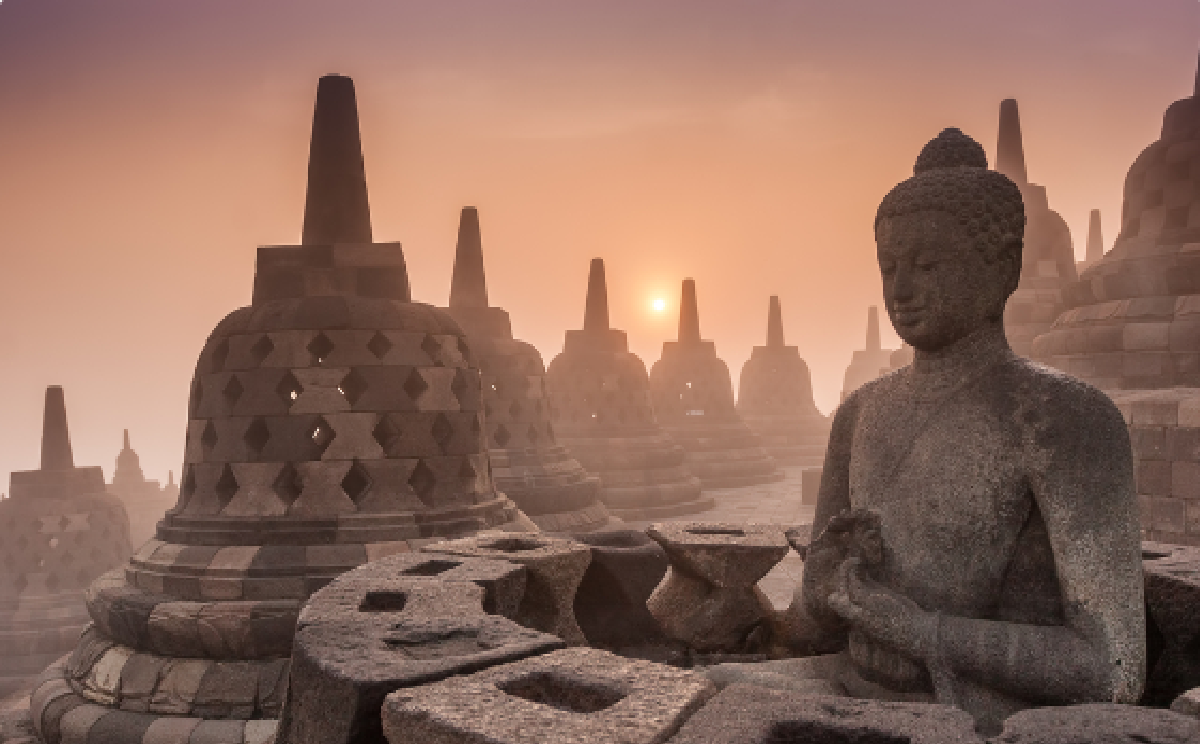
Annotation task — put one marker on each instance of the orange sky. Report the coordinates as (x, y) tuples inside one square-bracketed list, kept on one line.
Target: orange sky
[(147, 147)]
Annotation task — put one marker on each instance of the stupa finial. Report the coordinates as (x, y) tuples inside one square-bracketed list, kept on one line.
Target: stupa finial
[(127, 440), (56, 440), (1095, 240), (775, 324), (689, 314), (595, 316), (873, 342), (468, 286), (1010, 148), (337, 210)]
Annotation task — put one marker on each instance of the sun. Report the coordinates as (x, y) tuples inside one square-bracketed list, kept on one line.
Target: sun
[(659, 305)]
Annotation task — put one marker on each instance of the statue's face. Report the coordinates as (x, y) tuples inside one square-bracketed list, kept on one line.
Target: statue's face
[(937, 286)]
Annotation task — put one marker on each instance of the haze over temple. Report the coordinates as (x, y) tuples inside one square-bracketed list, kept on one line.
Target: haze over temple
[(869, 362), (602, 412), (693, 400), (528, 464)]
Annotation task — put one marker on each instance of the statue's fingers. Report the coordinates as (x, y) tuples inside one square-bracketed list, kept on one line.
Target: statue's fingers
[(843, 607)]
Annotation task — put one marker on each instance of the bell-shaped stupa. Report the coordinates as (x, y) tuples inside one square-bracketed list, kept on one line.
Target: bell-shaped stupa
[(1132, 324), (601, 411), (693, 399), (775, 399), (1048, 260), (528, 463), (869, 362), (59, 530), (145, 500), (331, 422)]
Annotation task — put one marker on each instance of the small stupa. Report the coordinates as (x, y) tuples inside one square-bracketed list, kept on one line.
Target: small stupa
[(602, 412), (1048, 260), (870, 362), (693, 399), (775, 399), (331, 422), (1095, 243), (528, 463), (59, 530), (145, 500)]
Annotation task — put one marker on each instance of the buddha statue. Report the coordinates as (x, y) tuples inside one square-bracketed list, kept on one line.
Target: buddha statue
[(977, 527)]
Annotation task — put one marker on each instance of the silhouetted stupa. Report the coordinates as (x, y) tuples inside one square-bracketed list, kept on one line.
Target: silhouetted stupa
[(331, 422), (870, 362), (1048, 259), (145, 500), (775, 399), (1132, 324), (59, 530), (528, 464), (602, 413), (693, 399), (1095, 243)]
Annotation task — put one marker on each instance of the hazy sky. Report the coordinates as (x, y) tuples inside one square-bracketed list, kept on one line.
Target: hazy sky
[(148, 146)]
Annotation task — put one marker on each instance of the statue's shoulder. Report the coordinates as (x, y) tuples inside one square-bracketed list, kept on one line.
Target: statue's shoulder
[(1060, 398)]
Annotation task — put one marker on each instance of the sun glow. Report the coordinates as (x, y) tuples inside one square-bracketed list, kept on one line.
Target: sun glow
[(659, 305)]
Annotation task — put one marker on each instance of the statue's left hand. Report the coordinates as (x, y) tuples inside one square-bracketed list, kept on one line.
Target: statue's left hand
[(883, 614)]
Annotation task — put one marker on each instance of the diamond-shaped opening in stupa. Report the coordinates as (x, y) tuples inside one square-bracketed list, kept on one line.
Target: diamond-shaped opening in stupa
[(289, 388), (501, 436), (288, 485), (320, 348), (461, 385), (379, 345), (262, 349), (386, 433), (433, 348), (352, 387), (257, 435), (227, 486), (442, 430), (219, 355), (322, 435), (209, 436), (233, 390), (197, 394), (357, 482), (423, 482), (415, 386)]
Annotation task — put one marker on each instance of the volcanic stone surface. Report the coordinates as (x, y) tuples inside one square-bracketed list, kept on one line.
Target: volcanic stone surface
[(709, 598), (555, 567), (59, 530), (331, 422), (775, 399), (576, 696), (602, 412), (1099, 723), (400, 622), (528, 464), (748, 714), (693, 400)]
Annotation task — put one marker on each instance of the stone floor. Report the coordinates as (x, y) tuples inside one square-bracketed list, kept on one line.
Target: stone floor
[(772, 503)]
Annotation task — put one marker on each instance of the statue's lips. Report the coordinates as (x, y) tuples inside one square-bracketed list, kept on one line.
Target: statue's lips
[(908, 315)]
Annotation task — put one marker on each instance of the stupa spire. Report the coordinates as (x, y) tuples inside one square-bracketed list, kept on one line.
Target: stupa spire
[(56, 440), (1010, 148), (1196, 87), (775, 324), (1095, 240), (468, 286), (873, 342), (127, 440), (689, 314), (596, 314), (337, 210)]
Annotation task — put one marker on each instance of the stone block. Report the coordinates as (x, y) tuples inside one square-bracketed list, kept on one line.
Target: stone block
[(362, 637), (1185, 479), (1172, 588), (610, 604), (555, 567), (576, 696), (709, 598), (1101, 723), (1153, 477), (748, 714)]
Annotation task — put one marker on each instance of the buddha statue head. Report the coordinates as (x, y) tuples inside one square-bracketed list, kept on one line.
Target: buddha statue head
[(949, 244)]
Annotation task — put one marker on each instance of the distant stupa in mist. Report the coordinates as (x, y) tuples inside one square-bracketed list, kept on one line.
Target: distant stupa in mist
[(869, 362), (145, 500)]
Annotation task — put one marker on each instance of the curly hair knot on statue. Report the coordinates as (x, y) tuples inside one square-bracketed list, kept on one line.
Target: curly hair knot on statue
[(951, 175)]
